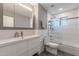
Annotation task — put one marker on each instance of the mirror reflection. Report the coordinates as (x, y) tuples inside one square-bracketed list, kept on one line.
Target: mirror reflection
[(17, 15)]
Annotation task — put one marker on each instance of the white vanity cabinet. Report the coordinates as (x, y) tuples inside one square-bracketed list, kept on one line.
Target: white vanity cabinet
[(25, 47), (34, 46), (14, 49)]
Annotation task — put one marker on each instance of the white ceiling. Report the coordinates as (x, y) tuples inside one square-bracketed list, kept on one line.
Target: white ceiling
[(54, 10)]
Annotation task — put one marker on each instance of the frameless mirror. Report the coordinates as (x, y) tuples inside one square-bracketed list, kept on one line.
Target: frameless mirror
[(19, 15), (8, 15)]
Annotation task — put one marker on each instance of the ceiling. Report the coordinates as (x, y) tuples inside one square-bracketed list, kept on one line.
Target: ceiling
[(55, 8)]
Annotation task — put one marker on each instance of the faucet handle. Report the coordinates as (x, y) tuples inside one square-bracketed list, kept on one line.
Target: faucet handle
[(22, 34)]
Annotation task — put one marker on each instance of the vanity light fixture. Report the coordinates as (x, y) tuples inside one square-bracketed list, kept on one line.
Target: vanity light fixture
[(24, 6)]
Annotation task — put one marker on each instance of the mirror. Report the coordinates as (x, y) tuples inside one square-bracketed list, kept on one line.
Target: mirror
[(8, 15), (17, 15)]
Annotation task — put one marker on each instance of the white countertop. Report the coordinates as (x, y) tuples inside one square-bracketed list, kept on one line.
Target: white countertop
[(5, 42), (30, 37)]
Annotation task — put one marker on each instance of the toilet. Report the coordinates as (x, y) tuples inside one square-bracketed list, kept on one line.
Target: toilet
[(52, 47)]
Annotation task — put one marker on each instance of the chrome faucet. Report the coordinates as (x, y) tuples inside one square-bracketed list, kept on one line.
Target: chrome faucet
[(16, 34)]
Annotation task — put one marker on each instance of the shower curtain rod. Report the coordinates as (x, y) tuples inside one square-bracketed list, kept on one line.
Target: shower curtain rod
[(71, 18)]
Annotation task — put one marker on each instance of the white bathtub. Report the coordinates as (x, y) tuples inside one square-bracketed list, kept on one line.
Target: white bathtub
[(71, 49)]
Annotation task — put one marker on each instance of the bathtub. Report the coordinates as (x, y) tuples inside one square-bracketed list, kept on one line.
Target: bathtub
[(68, 48)]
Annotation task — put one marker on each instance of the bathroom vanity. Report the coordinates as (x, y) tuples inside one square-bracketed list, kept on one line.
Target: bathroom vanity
[(27, 46), (17, 17)]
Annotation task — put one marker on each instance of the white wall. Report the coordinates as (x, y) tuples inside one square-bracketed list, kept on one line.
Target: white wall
[(70, 13), (42, 16)]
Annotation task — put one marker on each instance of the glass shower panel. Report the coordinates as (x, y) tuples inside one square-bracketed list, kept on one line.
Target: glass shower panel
[(56, 26), (64, 21), (53, 25)]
